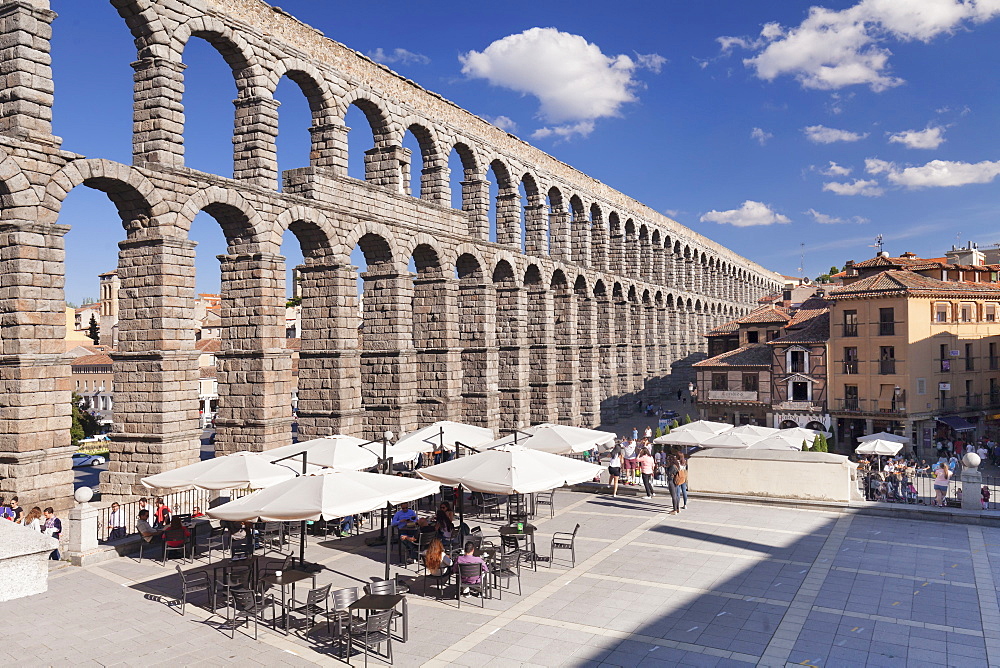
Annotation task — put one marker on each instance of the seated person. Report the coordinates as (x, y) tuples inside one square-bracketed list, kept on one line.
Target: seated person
[(470, 558), (409, 538), (435, 560), (197, 513), (144, 528), (178, 526), (405, 515), (346, 526), (444, 521)]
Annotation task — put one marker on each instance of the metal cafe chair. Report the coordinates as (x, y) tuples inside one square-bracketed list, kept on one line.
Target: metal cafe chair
[(194, 582), (371, 633), (563, 540)]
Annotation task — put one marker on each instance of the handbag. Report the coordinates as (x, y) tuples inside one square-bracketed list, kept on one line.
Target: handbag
[(681, 477)]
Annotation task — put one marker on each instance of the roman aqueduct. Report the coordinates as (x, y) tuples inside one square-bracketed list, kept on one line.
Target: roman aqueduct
[(499, 333)]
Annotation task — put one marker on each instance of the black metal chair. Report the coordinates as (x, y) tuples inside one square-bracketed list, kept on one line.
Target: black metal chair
[(371, 633), (341, 612), (317, 603), (272, 536), (466, 573), (490, 504), (390, 588), (509, 567), (195, 582), (217, 539), (564, 540), (249, 604), (146, 545), (440, 580), (174, 535), (547, 499)]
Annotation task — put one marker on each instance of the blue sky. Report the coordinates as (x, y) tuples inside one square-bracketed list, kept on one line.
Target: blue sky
[(774, 128)]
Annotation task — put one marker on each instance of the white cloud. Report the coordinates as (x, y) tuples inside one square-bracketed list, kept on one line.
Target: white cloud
[(749, 215), (503, 122), (945, 174), (825, 219), (653, 62), (836, 170), (566, 131), (575, 82), (930, 137), (834, 49), (673, 213), (760, 135), (856, 187), (876, 166), (398, 56), (820, 134)]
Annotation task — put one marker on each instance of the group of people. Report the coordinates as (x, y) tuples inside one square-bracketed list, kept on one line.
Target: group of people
[(630, 457), (36, 519), (986, 448), (895, 479)]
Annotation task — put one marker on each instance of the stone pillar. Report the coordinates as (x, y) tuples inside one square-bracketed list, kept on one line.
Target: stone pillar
[(590, 379), (617, 262), (156, 364), (623, 354), (435, 183), (438, 357), (680, 276), (540, 339), (476, 203), (254, 367), (158, 112), (35, 380), (632, 266), (480, 361), (329, 388), (645, 267), (581, 246), (329, 147), (80, 532), (656, 273), (388, 360), (560, 242), (638, 347), (382, 167), (652, 350), (513, 378), (607, 360), (536, 240), (255, 154), (972, 483), (567, 357), (26, 96), (509, 219)]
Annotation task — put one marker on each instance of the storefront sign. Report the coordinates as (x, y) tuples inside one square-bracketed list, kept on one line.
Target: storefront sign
[(944, 387), (732, 395)]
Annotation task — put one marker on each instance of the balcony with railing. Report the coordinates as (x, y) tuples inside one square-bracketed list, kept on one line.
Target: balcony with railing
[(850, 329), (850, 405), (887, 367), (850, 367), (994, 363), (886, 328)]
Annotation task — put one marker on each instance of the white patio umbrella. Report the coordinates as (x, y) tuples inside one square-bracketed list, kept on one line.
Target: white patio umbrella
[(884, 436), (339, 452), (879, 447), (701, 425), (511, 469), (732, 439), (444, 434), (240, 470), (397, 455), (691, 437), (754, 430), (327, 494), (557, 439), (786, 439)]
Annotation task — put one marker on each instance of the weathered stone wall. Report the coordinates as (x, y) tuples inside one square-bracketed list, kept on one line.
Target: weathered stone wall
[(603, 303)]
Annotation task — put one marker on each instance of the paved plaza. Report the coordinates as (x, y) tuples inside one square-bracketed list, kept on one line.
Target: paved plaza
[(722, 584)]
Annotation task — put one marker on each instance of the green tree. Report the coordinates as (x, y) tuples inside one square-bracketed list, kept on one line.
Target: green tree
[(84, 424), (294, 301), (658, 433), (805, 446), (94, 330), (687, 419), (822, 445)]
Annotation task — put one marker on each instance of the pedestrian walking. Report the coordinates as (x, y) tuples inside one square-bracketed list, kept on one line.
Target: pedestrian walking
[(646, 466), (615, 469), (682, 487), (941, 478), (673, 475)]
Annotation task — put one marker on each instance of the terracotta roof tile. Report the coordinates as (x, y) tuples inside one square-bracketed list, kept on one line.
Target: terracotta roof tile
[(766, 314), (210, 345), (91, 360), (815, 329), (755, 354), (895, 281)]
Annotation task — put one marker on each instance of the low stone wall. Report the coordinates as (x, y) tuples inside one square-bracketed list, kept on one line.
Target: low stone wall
[(24, 561), (812, 476)]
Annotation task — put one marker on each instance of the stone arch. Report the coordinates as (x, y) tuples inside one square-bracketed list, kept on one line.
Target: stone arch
[(241, 224), (503, 273), (311, 227), (372, 108), (15, 189), (137, 199), (431, 161), (600, 253), (508, 205), (535, 224), (230, 45), (142, 21), (310, 81)]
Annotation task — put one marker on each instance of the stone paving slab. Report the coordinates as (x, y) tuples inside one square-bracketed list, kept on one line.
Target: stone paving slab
[(721, 584)]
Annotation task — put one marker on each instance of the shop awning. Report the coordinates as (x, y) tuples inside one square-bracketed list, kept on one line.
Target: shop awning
[(957, 423)]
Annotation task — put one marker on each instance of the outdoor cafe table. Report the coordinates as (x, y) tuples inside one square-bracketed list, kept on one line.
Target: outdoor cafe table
[(286, 579), (526, 533), (381, 602)]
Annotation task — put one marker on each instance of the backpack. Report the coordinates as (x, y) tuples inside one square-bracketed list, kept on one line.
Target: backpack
[(681, 477)]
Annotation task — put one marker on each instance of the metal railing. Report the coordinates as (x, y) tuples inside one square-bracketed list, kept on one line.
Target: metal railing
[(180, 503), (918, 489)]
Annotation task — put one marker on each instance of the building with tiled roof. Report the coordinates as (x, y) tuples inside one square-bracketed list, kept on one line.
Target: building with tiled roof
[(914, 348), (94, 382), (769, 366)]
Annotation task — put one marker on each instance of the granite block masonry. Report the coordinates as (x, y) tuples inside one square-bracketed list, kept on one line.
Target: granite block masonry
[(523, 329), (24, 561)]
